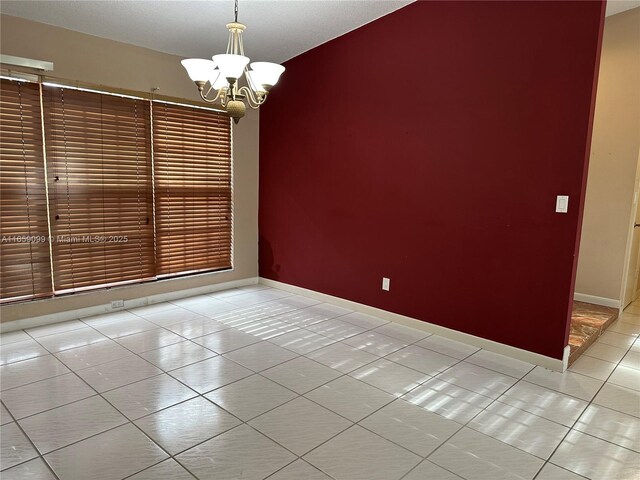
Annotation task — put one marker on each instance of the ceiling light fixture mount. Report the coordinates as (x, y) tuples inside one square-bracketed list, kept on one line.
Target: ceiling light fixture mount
[(223, 72)]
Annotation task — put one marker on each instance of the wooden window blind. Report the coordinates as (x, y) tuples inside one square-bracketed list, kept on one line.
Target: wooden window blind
[(100, 188), (192, 165), (25, 267)]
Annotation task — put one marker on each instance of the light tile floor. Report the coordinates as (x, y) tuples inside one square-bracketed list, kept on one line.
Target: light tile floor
[(256, 383)]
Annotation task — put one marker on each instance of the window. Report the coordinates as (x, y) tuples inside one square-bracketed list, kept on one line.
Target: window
[(100, 186), (120, 200), (25, 265), (192, 151)]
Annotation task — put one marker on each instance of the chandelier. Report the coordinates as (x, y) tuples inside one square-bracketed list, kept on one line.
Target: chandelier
[(223, 72)]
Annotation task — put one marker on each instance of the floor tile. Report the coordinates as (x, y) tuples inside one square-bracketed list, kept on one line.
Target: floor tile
[(631, 360), (300, 425), (402, 332), (251, 396), (239, 453), (250, 314), (44, 330), (363, 320), (298, 301), (475, 456), (616, 339), (301, 317), (19, 351), (535, 435), (92, 355), (28, 371), (80, 337), (445, 346), (357, 454), (13, 337), (619, 398), (327, 311), (182, 426), (569, 383), (626, 377), (624, 328), (592, 367), (342, 357), (209, 307), (62, 426), (552, 472), (260, 356), (46, 394), (110, 455), (500, 363), (171, 316), (301, 374), (596, 459), (118, 373), (302, 342), (226, 340), (375, 343), (34, 469), (411, 427), (177, 355), (610, 425), (153, 308), (605, 352), (210, 374), (104, 319), (299, 470), (545, 403), (448, 400), (427, 470), (5, 417), (350, 398), (125, 326), (149, 340), (167, 470), (14, 446), (423, 360), (337, 329), (390, 377), (196, 328), (478, 379), (148, 396), (268, 328)]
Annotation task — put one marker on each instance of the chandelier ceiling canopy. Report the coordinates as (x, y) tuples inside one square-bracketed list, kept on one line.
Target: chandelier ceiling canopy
[(218, 78)]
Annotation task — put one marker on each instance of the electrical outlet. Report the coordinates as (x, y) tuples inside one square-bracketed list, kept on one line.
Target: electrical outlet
[(117, 304), (386, 284)]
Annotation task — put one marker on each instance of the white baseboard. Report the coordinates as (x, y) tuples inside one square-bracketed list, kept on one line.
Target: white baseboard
[(501, 348), (137, 302), (605, 302)]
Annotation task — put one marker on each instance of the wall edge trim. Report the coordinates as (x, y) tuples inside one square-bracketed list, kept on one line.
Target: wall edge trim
[(605, 302), (133, 303), (555, 364)]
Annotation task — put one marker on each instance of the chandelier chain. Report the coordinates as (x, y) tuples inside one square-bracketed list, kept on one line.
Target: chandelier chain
[(235, 11)]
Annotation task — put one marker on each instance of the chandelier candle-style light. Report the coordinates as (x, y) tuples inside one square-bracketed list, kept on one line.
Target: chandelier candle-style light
[(224, 71)]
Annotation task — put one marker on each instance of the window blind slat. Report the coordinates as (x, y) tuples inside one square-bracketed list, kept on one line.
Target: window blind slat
[(100, 186), (192, 166), (25, 268)]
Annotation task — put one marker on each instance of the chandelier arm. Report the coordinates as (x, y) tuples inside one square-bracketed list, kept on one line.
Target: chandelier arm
[(251, 99), (209, 100)]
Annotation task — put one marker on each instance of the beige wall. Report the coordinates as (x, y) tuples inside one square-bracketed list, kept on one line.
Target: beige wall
[(89, 59), (614, 160)]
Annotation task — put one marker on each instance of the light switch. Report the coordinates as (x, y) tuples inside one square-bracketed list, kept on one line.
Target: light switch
[(562, 203), (386, 283)]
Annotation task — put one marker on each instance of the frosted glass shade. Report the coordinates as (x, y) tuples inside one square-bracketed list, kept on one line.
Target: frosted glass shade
[(255, 81), (198, 69), (217, 81), (231, 66), (266, 73)]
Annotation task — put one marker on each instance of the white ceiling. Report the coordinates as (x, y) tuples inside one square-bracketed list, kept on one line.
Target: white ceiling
[(196, 28), (276, 29)]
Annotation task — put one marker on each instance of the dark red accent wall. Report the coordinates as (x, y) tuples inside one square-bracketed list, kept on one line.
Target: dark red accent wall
[(428, 147)]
